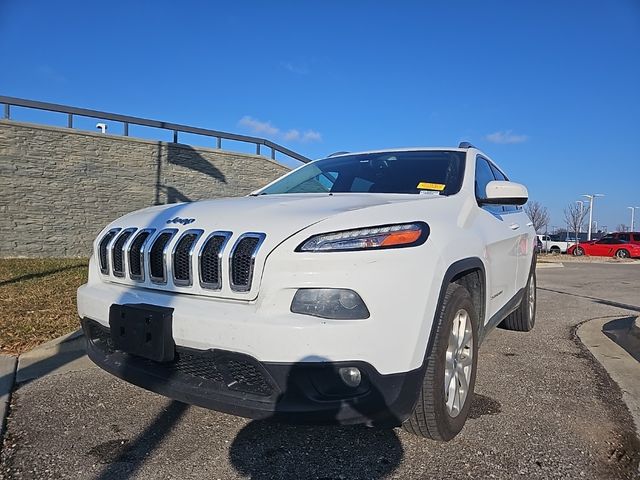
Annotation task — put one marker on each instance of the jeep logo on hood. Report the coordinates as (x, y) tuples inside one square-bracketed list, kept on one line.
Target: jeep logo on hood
[(181, 221)]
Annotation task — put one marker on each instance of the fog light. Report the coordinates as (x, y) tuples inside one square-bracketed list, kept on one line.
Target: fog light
[(351, 376), (333, 303)]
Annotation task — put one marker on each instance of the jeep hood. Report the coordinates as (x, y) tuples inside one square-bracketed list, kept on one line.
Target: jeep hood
[(279, 216)]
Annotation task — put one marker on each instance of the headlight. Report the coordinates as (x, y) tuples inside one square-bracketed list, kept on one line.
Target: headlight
[(383, 236)]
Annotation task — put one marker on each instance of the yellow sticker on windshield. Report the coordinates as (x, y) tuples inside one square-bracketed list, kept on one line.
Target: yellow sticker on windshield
[(431, 186)]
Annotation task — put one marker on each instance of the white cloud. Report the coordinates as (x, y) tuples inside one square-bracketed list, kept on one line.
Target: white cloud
[(295, 68), (506, 137), (259, 127), (311, 136), (292, 135), (256, 126)]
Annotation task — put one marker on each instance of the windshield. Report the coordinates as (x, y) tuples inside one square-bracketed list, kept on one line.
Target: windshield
[(411, 172)]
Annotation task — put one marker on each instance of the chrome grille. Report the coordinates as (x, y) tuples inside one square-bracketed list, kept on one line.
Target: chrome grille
[(117, 255), (157, 257), (103, 251), (136, 254), (242, 260), (210, 260), (146, 253), (182, 253)]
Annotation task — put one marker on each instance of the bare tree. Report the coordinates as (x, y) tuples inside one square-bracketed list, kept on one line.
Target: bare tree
[(574, 215), (621, 227), (538, 215)]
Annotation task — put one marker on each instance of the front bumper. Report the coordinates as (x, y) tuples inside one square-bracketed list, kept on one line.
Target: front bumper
[(235, 383)]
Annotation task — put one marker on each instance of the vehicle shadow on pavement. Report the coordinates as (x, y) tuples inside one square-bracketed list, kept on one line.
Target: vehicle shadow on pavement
[(124, 458), (266, 449), (271, 448), (618, 330)]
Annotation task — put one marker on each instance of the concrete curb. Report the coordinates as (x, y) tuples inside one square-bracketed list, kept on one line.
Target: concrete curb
[(635, 328), (63, 354), (549, 265), (8, 366), (619, 364)]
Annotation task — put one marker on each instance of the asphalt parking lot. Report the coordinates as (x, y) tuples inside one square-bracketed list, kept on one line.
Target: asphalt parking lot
[(544, 408)]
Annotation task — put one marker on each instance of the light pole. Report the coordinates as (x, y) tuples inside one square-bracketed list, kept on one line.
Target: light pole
[(591, 197), (633, 210)]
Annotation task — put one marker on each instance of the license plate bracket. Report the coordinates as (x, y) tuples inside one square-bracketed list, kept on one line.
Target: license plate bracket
[(143, 330)]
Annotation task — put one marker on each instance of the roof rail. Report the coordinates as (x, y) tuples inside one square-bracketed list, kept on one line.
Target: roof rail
[(465, 145), (335, 154)]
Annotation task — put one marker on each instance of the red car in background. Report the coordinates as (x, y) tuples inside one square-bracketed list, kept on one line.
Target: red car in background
[(606, 247), (629, 237)]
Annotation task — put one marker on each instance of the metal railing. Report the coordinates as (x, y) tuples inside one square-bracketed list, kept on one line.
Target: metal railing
[(126, 120)]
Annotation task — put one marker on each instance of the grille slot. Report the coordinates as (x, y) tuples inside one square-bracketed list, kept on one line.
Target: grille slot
[(242, 260), (247, 378), (136, 255), (157, 266), (210, 260), (182, 274), (103, 250), (196, 365), (117, 252)]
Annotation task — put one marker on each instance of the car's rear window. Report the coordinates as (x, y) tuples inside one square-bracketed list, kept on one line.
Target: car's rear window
[(411, 172)]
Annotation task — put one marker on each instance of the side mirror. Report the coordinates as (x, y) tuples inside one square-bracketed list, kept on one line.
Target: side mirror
[(505, 193)]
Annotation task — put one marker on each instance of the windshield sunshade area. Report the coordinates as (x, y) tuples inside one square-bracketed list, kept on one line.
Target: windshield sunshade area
[(410, 172)]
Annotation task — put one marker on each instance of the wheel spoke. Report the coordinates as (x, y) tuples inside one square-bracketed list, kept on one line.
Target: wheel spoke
[(462, 325), (456, 394), (457, 398), (451, 391), (462, 380), (468, 338), (453, 342)]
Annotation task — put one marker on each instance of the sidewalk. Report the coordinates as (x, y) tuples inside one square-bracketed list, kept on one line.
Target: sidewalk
[(616, 345), (61, 355)]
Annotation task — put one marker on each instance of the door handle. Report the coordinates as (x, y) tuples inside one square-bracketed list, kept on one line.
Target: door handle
[(514, 226)]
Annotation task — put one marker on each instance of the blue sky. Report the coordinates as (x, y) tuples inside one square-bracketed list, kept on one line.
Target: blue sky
[(550, 90)]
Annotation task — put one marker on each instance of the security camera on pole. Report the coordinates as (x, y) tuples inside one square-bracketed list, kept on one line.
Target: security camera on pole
[(591, 197)]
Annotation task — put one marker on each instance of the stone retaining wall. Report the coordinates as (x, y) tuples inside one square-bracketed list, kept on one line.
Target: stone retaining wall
[(60, 187)]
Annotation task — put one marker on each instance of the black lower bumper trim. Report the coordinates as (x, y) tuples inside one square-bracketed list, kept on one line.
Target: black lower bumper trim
[(234, 383)]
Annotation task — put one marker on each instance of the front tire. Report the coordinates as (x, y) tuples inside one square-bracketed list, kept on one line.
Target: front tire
[(447, 388), (524, 317), (578, 251), (622, 253)]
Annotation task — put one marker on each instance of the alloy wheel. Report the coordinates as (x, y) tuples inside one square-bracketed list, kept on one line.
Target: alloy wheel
[(459, 363), (532, 296)]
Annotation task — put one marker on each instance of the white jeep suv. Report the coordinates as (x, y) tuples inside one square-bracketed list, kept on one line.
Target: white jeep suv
[(355, 289)]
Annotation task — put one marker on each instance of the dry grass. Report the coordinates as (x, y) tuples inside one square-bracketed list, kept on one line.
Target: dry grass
[(38, 300)]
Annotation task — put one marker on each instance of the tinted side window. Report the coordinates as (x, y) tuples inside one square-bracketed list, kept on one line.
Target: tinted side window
[(624, 237), (497, 174), (484, 175), (636, 237)]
